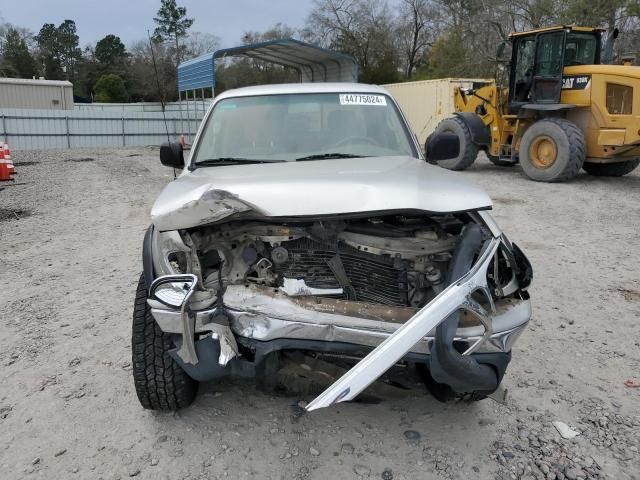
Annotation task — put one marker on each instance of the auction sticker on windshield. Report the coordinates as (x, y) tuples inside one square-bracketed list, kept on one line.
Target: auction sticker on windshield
[(362, 99)]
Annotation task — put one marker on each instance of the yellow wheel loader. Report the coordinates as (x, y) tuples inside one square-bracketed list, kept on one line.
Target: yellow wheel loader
[(563, 110)]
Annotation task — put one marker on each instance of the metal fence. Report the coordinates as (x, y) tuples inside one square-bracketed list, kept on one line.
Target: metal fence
[(192, 106), (44, 129)]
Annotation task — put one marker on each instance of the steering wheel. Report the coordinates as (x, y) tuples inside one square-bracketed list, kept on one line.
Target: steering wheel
[(356, 139)]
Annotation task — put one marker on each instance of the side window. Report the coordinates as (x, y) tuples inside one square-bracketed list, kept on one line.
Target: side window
[(580, 49), (619, 99), (523, 72), (549, 55), (525, 58)]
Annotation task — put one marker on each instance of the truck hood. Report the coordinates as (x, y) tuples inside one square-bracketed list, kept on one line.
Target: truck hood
[(313, 188)]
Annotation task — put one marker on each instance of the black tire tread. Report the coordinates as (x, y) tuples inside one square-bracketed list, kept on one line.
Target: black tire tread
[(611, 169), (466, 143), (577, 149), (160, 383)]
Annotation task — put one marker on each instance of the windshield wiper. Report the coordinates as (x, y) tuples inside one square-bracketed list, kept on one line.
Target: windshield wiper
[(328, 156), (232, 161)]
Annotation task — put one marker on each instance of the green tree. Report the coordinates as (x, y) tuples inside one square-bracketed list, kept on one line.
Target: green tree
[(17, 57), (59, 51), (172, 24), (446, 57), (109, 55), (111, 52), (110, 88), (49, 47), (69, 50), (141, 78)]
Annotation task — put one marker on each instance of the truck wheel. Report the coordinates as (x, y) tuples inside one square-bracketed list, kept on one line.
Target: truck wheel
[(159, 381), (611, 169), (468, 150), (552, 150)]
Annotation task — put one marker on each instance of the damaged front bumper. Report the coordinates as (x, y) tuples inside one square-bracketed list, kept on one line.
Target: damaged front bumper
[(261, 316), (255, 314)]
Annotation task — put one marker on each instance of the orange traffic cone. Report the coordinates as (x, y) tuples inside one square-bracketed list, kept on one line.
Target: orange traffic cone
[(5, 172), (7, 156)]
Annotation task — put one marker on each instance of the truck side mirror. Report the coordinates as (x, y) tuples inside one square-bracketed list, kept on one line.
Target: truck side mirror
[(171, 155), (442, 146)]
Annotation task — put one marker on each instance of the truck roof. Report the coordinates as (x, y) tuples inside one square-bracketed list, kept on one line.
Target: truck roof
[(573, 28), (293, 88)]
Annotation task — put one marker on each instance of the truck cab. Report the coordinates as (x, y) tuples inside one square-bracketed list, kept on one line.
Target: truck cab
[(538, 60)]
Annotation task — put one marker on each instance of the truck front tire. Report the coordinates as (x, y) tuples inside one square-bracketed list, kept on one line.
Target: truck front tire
[(159, 381)]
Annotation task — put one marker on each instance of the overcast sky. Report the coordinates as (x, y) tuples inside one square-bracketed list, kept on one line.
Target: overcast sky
[(130, 19)]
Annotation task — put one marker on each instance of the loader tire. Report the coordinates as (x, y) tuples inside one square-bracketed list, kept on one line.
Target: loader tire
[(468, 150), (552, 150), (161, 384), (611, 169)]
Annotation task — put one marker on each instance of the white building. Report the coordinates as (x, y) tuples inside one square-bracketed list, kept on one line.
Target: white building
[(40, 94)]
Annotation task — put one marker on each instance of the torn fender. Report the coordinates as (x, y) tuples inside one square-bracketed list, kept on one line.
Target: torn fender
[(200, 206), (383, 357)]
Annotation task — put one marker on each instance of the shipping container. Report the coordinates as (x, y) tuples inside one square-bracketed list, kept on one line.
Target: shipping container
[(426, 102), (39, 94)]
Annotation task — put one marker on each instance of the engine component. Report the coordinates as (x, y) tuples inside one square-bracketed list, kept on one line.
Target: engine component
[(434, 277), (279, 255), (373, 278), (249, 255), (294, 287), (393, 260)]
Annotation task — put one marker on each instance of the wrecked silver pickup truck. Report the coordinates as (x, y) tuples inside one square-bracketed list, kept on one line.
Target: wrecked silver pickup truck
[(306, 224)]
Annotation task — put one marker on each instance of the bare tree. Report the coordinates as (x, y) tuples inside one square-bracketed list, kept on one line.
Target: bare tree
[(199, 43), (361, 28), (415, 28)]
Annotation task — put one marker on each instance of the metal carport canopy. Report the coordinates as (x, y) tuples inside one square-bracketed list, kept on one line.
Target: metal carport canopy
[(313, 63)]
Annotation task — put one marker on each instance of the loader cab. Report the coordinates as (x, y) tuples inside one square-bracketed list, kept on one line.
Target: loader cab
[(538, 59)]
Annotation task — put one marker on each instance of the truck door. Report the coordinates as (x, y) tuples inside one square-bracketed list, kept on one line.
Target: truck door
[(547, 74), (523, 61)]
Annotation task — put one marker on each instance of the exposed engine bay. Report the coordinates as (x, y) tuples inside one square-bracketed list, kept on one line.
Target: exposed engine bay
[(444, 292), (350, 284), (392, 260)]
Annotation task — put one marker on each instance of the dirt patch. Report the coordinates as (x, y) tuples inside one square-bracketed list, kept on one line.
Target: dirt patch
[(13, 214), (67, 283), (79, 160), (508, 201), (25, 164), (630, 295)]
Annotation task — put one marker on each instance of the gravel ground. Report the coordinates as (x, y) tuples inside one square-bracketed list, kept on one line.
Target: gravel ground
[(71, 229)]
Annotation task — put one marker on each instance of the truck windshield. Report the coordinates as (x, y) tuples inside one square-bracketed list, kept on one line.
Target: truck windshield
[(303, 127)]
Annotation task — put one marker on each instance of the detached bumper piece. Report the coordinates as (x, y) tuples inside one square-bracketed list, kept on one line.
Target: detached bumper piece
[(441, 310)]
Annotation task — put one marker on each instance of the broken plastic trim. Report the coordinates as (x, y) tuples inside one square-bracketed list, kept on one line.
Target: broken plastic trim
[(187, 351), (397, 345)]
